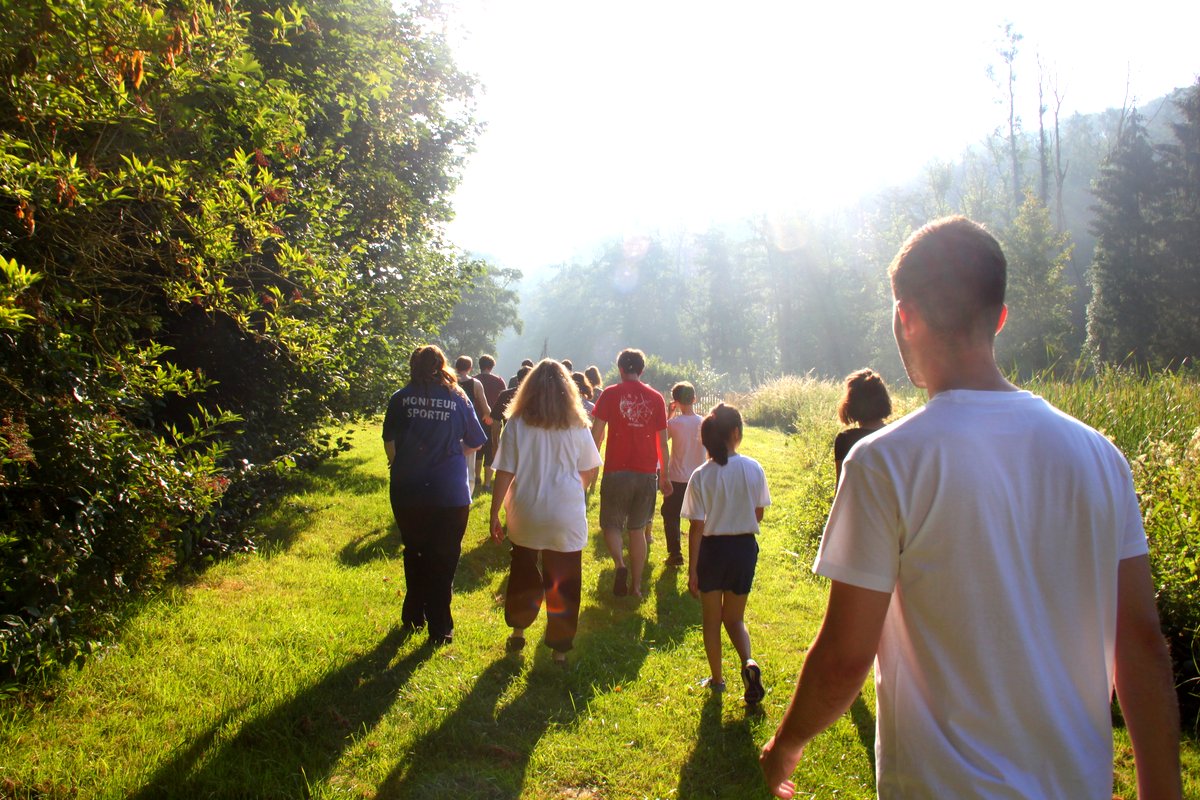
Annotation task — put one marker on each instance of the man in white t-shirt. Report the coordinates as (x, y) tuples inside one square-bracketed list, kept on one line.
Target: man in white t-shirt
[(986, 553)]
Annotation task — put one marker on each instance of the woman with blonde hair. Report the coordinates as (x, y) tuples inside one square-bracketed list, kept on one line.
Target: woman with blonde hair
[(546, 457), (428, 430)]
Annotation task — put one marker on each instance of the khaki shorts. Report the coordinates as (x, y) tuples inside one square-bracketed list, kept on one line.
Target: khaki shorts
[(627, 500)]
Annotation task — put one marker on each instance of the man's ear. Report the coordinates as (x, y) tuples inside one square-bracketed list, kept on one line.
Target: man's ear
[(1003, 318), (906, 313)]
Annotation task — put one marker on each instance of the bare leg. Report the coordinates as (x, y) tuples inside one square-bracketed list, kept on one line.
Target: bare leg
[(733, 611), (615, 543), (710, 605), (637, 561)]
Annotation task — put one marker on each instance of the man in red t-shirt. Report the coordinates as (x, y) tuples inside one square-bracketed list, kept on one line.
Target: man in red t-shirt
[(635, 417), (493, 385)]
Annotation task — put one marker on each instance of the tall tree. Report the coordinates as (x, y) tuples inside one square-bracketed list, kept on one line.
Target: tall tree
[(1126, 265), (1038, 297), (1178, 338), (1043, 148), (1008, 54), (487, 308), (730, 326)]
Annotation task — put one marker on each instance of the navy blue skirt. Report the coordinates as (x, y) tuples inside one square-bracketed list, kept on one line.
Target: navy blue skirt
[(726, 563)]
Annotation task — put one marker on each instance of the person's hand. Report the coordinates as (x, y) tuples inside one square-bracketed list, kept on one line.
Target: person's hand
[(664, 484), (778, 763), (497, 529), (694, 584)]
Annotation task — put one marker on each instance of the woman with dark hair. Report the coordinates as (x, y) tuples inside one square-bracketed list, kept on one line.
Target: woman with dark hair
[(866, 403), (585, 391), (594, 377), (545, 459), (724, 501), (428, 429)]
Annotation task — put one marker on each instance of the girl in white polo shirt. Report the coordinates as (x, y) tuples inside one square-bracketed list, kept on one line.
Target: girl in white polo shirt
[(724, 501)]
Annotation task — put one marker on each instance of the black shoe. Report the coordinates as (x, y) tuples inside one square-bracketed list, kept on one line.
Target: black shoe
[(514, 644), (444, 639), (621, 582), (752, 679), (674, 560)]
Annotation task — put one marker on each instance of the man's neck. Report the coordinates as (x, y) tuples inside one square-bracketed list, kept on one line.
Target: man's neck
[(973, 369)]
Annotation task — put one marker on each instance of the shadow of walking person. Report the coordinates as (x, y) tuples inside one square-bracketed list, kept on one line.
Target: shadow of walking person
[(282, 752), (478, 566), (864, 723), (676, 611), (724, 762), (462, 757), (483, 751), (381, 544)]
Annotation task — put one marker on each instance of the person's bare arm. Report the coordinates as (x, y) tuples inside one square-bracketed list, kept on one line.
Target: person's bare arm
[(389, 449), (695, 536), (598, 426), (587, 476), (664, 480), (481, 403), (500, 485), (834, 670), (1145, 684)]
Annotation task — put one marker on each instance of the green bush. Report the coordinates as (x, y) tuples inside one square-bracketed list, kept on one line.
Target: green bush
[(220, 235)]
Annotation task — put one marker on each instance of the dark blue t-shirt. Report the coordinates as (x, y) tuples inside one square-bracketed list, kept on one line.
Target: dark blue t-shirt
[(430, 425)]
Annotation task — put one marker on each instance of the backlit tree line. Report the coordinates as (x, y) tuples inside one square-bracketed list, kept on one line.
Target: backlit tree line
[(1102, 234)]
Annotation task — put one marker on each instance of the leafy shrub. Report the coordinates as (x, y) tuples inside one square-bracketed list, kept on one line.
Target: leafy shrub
[(219, 237)]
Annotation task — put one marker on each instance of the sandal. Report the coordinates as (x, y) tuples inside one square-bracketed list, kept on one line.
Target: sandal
[(514, 644), (715, 686)]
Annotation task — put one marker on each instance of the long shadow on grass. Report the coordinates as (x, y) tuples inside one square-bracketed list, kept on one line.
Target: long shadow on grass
[(864, 723), (480, 562), (481, 752), (297, 744), (676, 611), (381, 544), (724, 762)]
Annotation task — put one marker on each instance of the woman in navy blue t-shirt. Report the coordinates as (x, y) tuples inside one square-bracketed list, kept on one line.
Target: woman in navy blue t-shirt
[(428, 429)]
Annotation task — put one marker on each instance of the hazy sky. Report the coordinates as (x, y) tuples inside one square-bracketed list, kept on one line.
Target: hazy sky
[(624, 116)]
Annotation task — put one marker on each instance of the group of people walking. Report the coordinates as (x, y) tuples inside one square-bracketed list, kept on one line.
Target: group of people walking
[(546, 437), (985, 553)]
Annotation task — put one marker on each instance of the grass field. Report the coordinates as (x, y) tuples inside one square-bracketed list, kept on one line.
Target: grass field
[(284, 674)]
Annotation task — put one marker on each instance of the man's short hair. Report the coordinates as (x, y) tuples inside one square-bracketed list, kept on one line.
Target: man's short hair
[(463, 363), (486, 362), (527, 362), (631, 362), (954, 272)]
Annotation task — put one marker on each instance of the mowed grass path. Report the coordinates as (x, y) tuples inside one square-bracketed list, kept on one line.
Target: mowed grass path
[(284, 674)]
